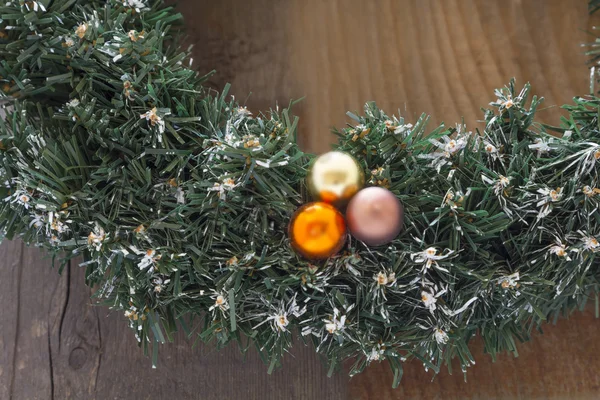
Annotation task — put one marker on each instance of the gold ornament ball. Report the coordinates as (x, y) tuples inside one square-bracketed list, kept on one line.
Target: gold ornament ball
[(317, 230), (335, 177), (375, 216)]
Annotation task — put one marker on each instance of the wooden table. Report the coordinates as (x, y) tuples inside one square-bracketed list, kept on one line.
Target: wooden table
[(441, 57)]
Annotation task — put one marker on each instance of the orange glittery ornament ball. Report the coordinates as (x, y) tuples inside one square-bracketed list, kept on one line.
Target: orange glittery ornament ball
[(317, 230)]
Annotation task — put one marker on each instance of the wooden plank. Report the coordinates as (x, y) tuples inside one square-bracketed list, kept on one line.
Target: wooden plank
[(439, 57), (48, 328), (33, 292), (10, 276), (75, 338)]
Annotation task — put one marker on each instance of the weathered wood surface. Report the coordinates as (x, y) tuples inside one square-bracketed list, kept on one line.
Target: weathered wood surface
[(441, 57)]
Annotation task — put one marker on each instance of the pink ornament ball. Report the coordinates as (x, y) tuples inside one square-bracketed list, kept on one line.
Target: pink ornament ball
[(375, 216)]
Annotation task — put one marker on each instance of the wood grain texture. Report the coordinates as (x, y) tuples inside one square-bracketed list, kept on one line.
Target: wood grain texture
[(10, 276), (440, 57)]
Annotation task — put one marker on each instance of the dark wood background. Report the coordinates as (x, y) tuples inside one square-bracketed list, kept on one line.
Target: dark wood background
[(441, 57)]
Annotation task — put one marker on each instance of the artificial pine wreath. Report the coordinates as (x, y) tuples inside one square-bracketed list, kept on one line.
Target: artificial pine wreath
[(179, 201)]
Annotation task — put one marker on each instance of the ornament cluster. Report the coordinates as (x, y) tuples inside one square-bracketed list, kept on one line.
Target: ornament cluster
[(335, 180)]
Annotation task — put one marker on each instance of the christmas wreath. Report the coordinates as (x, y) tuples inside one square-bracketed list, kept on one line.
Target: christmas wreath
[(182, 203)]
